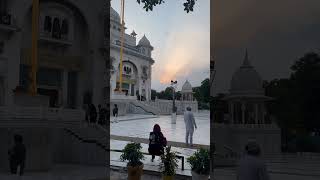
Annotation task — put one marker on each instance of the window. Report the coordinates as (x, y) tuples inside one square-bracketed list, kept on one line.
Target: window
[(56, 27), (143, 51), (47, 24)]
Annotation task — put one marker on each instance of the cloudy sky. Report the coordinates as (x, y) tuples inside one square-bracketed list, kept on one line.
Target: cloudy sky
[(276, 33), (181, 40)]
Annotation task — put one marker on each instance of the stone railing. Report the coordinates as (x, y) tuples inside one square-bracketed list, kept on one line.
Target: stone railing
[(18, 116)]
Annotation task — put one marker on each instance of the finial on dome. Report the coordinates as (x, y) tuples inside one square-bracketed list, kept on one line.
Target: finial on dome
[(246, 61), (133, 34)]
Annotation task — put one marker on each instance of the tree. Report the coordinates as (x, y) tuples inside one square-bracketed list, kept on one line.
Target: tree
[(149, 4), (297, 98)]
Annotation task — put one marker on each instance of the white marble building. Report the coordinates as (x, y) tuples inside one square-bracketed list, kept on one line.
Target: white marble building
[(71, 69), (137, 62), (70, 63)]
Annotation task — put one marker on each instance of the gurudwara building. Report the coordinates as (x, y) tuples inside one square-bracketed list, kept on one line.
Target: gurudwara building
[(70, 73), (137, 62)]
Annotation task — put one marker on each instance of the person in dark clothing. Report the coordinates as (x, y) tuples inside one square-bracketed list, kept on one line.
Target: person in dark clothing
[(92, 113), (115, 112), (157, 142), (17, 155), (102, 115)]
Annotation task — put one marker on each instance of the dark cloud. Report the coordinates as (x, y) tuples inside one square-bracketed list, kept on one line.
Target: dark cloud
[(276, 33)]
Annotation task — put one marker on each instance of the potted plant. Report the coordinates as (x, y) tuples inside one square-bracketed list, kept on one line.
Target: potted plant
[(168, 164), (132, 153), (200, 164)]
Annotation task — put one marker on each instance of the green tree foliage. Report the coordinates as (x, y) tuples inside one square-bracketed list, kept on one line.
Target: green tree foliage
[(297, 98), (149, 4)]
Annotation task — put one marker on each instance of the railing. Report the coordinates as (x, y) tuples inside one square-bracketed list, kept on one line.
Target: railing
[(105, 148), (143, 106)]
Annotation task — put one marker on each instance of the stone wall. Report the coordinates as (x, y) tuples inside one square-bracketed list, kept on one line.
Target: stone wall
[(236, 136), (165, 106)]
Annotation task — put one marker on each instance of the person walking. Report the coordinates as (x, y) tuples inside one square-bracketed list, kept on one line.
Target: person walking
[(115, 113), (251, 167), (157, 142), (190, 125), (17, 155)]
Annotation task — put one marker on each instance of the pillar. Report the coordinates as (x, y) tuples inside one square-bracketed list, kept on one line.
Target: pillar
[(64, 88), (243, 108), (232, 112), (263, 113), (256, 113)]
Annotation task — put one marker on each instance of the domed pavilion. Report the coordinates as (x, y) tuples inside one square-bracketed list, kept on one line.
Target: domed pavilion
[(246, 99)]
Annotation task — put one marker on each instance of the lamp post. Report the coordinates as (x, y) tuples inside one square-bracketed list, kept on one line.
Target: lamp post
[(174, 109)]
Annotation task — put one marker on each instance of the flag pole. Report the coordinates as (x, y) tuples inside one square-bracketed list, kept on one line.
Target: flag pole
[(122, 41), (34, 46)]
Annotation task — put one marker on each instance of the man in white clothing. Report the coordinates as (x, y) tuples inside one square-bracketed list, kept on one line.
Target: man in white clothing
[(190, 125)]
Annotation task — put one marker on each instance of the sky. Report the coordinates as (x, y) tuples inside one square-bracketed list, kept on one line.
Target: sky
[(276, 34), (181, 40)]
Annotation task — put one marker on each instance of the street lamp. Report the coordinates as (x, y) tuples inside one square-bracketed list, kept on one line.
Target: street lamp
[(174, 109)]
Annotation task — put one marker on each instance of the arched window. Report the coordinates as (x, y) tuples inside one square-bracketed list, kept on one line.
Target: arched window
[(47, 24), (64, 27), (56, 28)]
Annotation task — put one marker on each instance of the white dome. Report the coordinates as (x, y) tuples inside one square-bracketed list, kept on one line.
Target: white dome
[(144, 42), (114, 15), (186, 88), (246, 80)]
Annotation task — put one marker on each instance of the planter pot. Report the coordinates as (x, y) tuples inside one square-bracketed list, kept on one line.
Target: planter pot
[(135, 172), (167, 178), (173, 118), (196, 176)]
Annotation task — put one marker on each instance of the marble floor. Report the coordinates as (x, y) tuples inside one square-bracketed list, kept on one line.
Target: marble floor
[(173, 132)]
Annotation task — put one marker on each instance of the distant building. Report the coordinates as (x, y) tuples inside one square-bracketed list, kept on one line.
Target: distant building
[(247, 117)]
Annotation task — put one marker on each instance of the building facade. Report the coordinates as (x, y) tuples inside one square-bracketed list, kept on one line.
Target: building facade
[(71, 66), (137, 63), (70, 73)]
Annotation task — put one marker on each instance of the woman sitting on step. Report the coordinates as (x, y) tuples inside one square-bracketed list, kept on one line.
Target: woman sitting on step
[(157, 142)]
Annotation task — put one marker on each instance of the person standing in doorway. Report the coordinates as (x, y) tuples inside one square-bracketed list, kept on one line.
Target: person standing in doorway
[(251, 167), (115, 113), (17, 155), (190, 125)]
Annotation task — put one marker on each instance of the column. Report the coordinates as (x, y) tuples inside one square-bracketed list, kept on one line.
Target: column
[(256, 113), (243, 108), (64, 88), (232, 112), (263, 113)]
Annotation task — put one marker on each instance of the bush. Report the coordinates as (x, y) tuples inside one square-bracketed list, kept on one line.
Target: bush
[(132, 153), (200, 162), (169, 162)]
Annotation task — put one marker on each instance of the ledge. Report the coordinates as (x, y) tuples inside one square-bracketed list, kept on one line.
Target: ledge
[(55, 41)]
